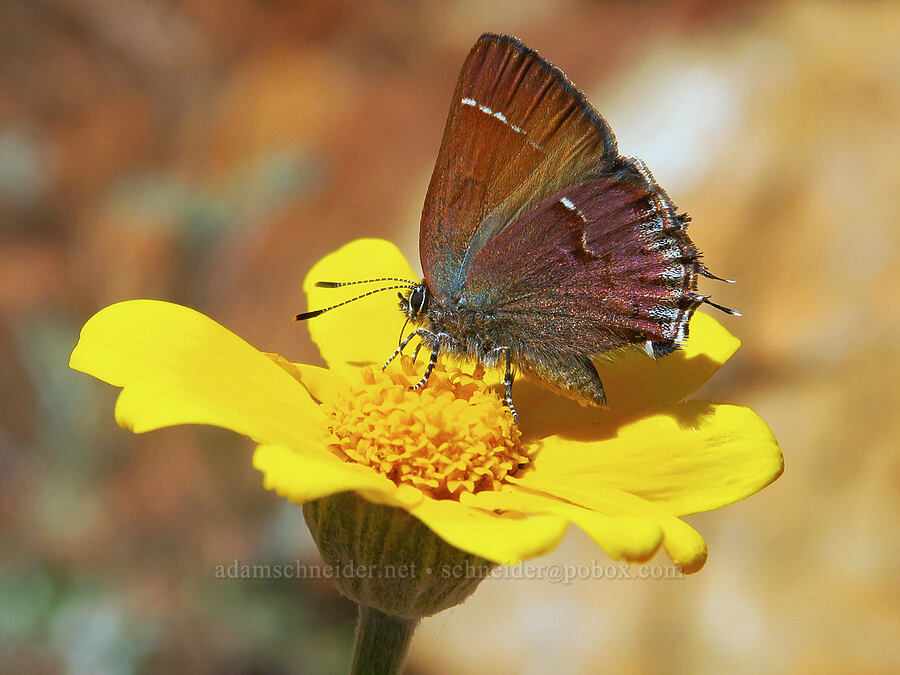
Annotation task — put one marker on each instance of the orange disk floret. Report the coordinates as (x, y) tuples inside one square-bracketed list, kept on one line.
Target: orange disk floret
[(451, 437)]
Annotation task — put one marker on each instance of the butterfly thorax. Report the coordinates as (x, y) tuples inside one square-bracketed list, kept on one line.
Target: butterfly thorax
[(459, 326)]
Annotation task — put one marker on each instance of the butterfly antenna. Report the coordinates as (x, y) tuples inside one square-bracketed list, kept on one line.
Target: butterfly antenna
[(338, 284), (309, 315)]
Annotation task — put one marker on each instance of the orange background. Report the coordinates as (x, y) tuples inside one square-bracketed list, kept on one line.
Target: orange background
[(208, 153)]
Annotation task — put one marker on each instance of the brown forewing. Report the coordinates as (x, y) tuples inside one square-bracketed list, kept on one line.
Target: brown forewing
[(517, 132)]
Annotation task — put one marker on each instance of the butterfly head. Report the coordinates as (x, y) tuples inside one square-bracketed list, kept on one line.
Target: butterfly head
[(415, 305)]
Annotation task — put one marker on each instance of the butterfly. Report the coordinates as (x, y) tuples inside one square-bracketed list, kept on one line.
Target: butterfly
[(542, 248)]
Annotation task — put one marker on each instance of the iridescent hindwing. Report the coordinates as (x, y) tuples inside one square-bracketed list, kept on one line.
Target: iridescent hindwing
[(599, 264)]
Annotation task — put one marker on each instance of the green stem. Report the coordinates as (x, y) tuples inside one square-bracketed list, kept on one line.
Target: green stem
[(382, 641)]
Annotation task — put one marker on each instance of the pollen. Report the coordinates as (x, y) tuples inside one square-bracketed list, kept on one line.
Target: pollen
[(451, 437)]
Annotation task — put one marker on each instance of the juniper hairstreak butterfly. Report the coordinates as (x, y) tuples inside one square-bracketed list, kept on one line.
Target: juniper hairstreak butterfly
[(541, 246)]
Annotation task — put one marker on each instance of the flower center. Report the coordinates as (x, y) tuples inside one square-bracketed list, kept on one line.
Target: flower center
[(452, 436)]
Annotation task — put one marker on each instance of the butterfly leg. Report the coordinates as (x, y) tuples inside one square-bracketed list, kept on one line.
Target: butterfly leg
[(431, 363), (421, 332), (435, 339), (508, 382)]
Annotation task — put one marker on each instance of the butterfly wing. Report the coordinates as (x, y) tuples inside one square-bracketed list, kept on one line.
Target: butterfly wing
[(599, 264), (518, 131)]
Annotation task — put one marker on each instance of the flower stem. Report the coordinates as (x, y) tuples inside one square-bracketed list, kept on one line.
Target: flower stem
[(382, 641)]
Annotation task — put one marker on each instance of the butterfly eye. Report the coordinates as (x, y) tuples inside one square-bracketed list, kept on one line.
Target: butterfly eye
[(417, 300)]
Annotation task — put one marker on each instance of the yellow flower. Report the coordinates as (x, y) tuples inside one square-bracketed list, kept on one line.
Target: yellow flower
[(448, 454)]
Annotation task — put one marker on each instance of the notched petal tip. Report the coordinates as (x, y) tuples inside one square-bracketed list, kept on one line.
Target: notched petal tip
[(625, 526), (633, 539)]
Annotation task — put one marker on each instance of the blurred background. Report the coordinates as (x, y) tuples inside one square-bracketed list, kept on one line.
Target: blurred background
[(208, 153)]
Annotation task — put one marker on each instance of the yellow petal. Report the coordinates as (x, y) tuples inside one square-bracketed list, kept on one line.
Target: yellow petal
[(694, 457), (501, 539), (178, 366), (633, 381), (506, 539), (322, 384), (365, 331), (304, 477), (621, 538), (683, 543)]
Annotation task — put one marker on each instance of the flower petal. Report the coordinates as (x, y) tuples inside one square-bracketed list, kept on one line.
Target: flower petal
[(693, 457), (178, 366), (322, 384), (361, 332), (503, 539), (636, 381), (303, 477), (683, 543), (633, 381), (621, 538)]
